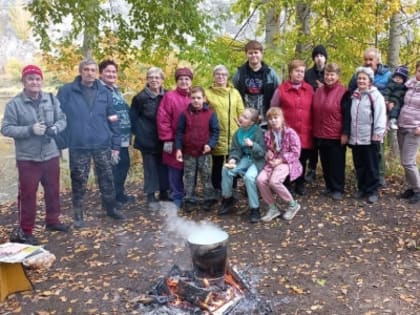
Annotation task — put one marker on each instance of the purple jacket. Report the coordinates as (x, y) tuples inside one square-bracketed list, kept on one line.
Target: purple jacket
[(290, 150)]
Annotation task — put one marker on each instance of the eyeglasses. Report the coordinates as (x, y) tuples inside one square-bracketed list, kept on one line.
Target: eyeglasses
[(154, 78), (221, 74)]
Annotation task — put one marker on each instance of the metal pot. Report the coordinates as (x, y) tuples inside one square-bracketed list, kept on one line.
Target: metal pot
[(209, 254)]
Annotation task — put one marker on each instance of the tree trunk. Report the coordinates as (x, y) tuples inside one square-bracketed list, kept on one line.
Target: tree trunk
[(272, 25), (303, 11)]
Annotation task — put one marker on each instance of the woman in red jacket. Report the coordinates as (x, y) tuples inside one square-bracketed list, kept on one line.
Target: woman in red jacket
[(327, 123), (294, 96)]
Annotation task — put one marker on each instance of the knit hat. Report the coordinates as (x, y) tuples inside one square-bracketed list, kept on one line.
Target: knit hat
[(402, 71), (319, 50), (366, 70), (183, 72), (31, 69)]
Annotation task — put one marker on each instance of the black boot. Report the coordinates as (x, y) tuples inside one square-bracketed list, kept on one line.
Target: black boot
[(208, 204), (78, 217), (255, 215), (226, 206), (115, 214)]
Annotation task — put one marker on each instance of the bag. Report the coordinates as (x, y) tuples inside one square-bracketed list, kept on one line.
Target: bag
[(61, 138)]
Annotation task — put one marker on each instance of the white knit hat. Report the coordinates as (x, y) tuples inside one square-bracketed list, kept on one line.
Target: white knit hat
[(366, 70)]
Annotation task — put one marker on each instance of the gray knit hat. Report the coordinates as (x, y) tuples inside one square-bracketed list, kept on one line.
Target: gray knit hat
[(366, 70)]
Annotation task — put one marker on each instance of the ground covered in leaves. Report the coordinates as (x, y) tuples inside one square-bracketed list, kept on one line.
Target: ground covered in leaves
[(345, 257)]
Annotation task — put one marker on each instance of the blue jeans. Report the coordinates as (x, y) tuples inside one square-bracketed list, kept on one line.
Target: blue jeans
[(177, 184), (247, 169)]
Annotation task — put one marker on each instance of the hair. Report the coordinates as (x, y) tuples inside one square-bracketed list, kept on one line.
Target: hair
[(86, 62), (375, 51), (196, 89), (105, 63), (417, 64), (220, 67), (254, 45), (332, 67), (157, 70), (295, 64), (274, 111), (254, 114)]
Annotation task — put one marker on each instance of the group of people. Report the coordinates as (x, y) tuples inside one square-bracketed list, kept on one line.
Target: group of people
[(259, 129)]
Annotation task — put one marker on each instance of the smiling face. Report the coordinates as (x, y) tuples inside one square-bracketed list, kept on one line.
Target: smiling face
[(371, 60), (88, 74), (220, 78), (32, 84), (154, 81), (331, 78), (109, 75), (255, 57), (363, 81), (245, 120), (183, 82)]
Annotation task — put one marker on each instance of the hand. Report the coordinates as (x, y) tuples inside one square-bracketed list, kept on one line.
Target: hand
[(51, 131), (168, 146), (344, 139), (207, 149), (376, 138), (269, 155), (115, 157), (319, 83), (39, 128), (276, 162), (390, 106), (179, 156), (248, 142)]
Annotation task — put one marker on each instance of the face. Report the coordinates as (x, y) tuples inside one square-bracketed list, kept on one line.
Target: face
[(276, 122), (254, 56), (197, 100), (88, 74), (220, 77), (183, 82), (297, 74), (371, 60), (32, 83), (418, 73), (109, 75), (320, 61), (154, 81), (363, 81), (398, 79), (330, 78), (245, 119)]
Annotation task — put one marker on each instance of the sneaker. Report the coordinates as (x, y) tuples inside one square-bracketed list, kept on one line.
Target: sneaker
[(373, 198), (115, 214), (226, 206), (415, 198), (337, 195), (291, 211), (60, 227), (255, 215), (78, 218), (310, 175), (407, 194), (393, 124), (18, 236), (271, 214), (326, 192), (125, 199), (359, 194)]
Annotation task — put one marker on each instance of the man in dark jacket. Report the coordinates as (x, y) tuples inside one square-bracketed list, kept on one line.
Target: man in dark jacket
[(93, 133), (315, 77)]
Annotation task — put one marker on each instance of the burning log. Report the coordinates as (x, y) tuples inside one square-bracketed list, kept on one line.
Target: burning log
[(191, 293)]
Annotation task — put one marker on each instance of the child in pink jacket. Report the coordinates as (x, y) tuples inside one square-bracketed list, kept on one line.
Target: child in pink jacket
[(282, 160)]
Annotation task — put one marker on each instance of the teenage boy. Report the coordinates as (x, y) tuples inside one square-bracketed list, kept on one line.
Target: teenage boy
[(255, 80)]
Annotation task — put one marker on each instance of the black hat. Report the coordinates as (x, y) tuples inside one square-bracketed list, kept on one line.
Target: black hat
[(319, 50)]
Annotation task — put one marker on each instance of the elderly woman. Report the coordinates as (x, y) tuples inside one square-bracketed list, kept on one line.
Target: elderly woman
[(171, 107), (367, 128), (409, 137), (294, 96), (227, 103), (327, 126), (143, 113)]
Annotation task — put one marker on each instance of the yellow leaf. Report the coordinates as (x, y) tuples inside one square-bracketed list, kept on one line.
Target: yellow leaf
[(296, 289)]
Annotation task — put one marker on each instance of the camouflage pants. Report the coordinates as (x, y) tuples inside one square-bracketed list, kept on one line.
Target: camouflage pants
[(80, 161), (197, 166)]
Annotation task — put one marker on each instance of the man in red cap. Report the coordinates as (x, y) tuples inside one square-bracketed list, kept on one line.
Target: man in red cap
[(32, 119)]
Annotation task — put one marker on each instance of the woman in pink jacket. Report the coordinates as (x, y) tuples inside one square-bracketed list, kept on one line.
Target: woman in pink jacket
[(172, 105)]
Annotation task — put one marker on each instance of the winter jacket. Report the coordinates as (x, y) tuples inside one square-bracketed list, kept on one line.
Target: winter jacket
[(242, 80), (410, 112), (327, 114), (227, 103), (256, 153), (89, 127), (289, 152), (382, 76), (172, 105), (297, 109), (196, 128), (368, 116), (312, 75), (394, 93), (122, 110), (21, 114), (143, 113)]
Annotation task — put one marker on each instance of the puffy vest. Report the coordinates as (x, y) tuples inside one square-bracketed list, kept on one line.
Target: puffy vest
[(197, 131)]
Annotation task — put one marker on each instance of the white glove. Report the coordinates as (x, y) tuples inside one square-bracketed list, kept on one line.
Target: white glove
[(115, 157), (168, 146), (39, 129)]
